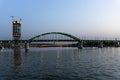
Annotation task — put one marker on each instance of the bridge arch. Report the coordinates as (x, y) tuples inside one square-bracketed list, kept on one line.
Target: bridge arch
[(61, 33)]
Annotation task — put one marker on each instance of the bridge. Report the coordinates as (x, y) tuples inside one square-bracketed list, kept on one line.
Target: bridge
[(46, 37), (62, 37)]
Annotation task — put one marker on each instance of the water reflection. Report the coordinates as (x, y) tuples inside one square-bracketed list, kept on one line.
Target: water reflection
[(17, 59), (60, 64)]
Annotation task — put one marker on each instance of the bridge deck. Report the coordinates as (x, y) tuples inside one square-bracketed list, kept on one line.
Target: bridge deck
[(24, 41)]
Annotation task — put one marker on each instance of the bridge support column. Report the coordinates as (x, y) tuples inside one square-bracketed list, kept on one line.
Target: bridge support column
[(117, 44), (1, 46), (80, 45), (26, 47), (100, 45)]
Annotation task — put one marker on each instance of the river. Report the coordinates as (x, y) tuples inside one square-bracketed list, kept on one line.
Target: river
[(60, 63)]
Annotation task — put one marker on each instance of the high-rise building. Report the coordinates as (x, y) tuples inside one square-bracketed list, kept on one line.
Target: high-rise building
[(16, 29)]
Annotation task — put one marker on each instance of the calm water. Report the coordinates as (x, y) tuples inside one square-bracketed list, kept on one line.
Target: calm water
[(60, 64)]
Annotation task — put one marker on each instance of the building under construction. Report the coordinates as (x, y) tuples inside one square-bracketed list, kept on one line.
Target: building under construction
[(16, 29)]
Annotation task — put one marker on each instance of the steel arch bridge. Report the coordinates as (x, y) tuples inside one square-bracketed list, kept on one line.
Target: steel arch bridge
[(46, 37), (54, 37)]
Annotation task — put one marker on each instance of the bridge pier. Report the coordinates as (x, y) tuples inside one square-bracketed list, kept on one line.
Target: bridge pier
[(100, 45), (117, 44), (1, 47), (80, 44), (26, 47)]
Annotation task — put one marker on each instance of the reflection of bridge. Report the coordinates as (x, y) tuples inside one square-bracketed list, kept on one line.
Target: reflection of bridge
[(61, 37)]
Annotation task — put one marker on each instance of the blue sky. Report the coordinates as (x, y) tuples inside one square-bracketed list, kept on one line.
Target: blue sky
[(90, 18)]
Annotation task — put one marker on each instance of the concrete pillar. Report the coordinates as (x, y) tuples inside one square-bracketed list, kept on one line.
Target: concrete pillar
[(100, 45), (1, 47), (26, 47), (117, 44), (80, 44)]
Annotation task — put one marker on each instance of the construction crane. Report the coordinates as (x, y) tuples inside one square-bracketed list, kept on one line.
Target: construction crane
[(14, 17)]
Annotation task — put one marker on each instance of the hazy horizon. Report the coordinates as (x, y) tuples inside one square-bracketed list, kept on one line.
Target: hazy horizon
[(82, 18)]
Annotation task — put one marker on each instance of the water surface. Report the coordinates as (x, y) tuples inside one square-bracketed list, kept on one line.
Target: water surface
[(60, 64)]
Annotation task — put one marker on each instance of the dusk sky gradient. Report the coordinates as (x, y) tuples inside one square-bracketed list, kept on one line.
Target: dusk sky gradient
[(90, 18)]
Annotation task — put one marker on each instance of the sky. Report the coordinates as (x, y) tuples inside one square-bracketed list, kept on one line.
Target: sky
[(81, 18)]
